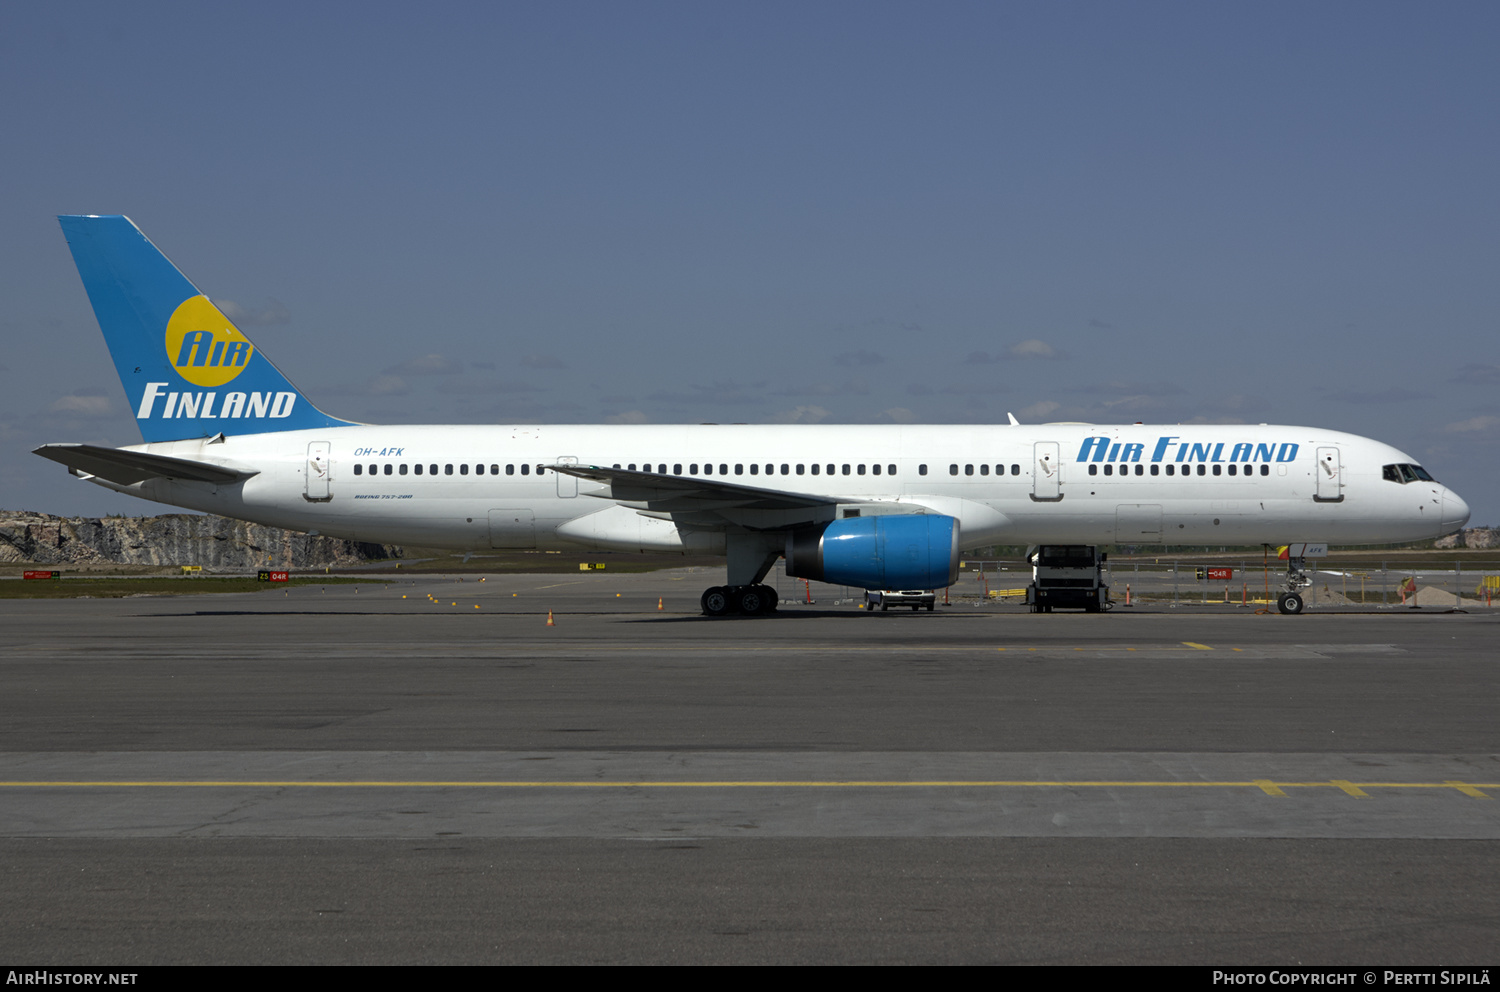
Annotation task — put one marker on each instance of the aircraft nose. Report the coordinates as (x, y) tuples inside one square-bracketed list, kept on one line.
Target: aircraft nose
[(1455, 512)]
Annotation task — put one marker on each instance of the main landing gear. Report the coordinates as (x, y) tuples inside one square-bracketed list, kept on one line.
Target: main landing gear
[(748, 600)]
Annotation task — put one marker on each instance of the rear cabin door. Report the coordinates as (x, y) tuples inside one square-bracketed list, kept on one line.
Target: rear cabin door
[(316, 473), (1046, 472)]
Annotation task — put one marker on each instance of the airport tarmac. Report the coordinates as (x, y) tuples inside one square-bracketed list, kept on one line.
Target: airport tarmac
[(342, 774)]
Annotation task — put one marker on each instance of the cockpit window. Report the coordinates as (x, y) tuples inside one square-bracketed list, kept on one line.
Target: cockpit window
[(1405, 473)]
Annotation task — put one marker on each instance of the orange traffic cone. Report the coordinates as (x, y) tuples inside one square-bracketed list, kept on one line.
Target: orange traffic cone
[(659, 605), (549, 619)]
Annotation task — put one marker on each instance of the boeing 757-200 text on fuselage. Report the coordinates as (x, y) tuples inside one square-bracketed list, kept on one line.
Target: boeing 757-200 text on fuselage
[(876, 507)]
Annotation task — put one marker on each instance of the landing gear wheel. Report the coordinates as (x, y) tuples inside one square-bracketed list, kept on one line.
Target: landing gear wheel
[(715, 601), (771, 600), (751, 600), (1289, 603)]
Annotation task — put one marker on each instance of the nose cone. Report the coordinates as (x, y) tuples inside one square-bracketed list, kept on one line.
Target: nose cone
[(1455, 512)]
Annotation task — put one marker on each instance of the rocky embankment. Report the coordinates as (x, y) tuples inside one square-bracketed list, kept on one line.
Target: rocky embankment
[(1474, 537), (173, 539)]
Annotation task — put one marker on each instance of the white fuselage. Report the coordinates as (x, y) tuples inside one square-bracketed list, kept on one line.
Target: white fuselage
[(1005, 484)]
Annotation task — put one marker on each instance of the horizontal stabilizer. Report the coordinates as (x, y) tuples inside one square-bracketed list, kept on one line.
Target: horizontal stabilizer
[(125, 467)]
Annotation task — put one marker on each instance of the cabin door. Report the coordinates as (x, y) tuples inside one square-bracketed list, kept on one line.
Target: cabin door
[(317, 472), (1046, 472), (1330, 476)]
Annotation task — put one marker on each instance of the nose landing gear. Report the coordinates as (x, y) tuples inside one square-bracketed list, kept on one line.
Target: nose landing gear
[(1290, 603)]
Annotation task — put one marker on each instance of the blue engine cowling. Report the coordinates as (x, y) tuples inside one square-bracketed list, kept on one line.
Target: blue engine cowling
[(907, 551)]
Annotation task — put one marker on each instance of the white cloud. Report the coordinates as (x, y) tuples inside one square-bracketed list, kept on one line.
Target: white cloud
[(274, 313), (83, 406), (426, 365), (387, 385), (1032, 348), (1473, 424), (1037, 411), (802, 415)]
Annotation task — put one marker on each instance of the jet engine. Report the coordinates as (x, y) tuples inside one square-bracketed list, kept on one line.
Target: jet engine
[(890, 551)]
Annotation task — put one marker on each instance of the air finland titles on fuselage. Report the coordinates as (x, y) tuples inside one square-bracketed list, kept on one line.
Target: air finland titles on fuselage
[(226, 433)]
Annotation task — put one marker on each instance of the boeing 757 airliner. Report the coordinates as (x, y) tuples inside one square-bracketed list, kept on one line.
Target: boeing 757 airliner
[(876, 507)]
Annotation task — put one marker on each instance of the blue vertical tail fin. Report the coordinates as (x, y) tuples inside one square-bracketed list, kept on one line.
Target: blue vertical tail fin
[(187, 370)]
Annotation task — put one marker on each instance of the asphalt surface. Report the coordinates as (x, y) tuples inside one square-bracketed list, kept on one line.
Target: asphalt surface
[(345, 775)]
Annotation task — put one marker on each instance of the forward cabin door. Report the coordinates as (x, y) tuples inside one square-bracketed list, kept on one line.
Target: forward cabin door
[(1330, 476), (316, 473), (1046, 472)]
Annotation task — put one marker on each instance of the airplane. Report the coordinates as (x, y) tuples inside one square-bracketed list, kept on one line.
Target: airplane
[(869, 506)]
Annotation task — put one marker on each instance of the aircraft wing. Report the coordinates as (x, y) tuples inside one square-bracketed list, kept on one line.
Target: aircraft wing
[(668, 493), (128, 467)]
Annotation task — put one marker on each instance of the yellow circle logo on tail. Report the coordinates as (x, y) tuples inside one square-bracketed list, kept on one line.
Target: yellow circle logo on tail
[(203, 346)]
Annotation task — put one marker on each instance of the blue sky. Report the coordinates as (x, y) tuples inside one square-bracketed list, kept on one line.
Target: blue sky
[(772, 212)]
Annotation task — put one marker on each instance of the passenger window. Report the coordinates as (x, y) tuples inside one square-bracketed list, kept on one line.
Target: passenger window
[(1265, 470), (1171, 469), (708, 468), (875, 469), (1015, 470), (525, 469), (359, 470), (921, 469), (739, 470), (1155, 469), (1109, 470), (661, 469), (785, 469), (495, 469), (693, 469), (432, 470), (374, 469), (676, 469), (479, 469), (1093, 470), (846, 469), (447, 469), (770, 469), (890, 470), (403, 469), (1233, 469), (630, 467), (815, 468), (723, 469), (463, 469), (984, 470), (952, 469), (800, 469), (1202, 469), (509, 469), (968, 470), (1218, 469), (860, 469), (1140, 470), (418, 468), (754, 468), (830, 469)]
